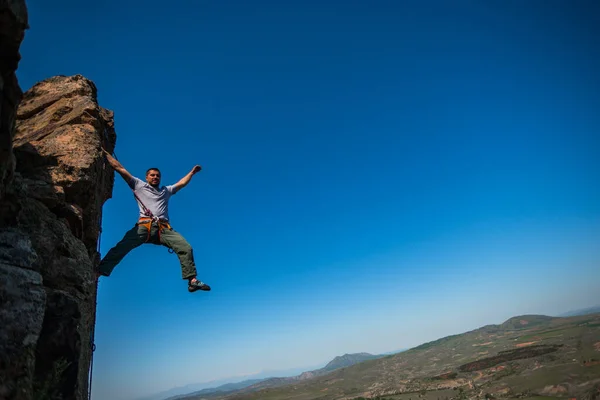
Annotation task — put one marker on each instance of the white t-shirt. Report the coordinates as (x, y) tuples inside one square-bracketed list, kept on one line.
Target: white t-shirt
[(155, 199)]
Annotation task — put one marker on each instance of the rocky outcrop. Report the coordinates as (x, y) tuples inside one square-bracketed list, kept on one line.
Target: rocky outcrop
[(60, 131), (13, 23), (53, 183)]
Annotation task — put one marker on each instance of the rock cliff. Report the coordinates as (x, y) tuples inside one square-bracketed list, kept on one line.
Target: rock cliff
[(13, 23), (53, 183)]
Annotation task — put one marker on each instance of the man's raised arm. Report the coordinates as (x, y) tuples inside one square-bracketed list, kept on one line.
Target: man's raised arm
[(118, 167), (186, 179)]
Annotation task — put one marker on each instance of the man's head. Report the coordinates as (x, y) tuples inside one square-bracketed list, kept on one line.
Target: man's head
[(153, 177)]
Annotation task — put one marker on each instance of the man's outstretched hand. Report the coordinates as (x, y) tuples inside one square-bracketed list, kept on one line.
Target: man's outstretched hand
[(109, 156), (186, 179)]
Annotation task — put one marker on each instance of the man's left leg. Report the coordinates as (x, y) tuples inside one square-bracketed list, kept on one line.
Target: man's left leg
[(173, 240)]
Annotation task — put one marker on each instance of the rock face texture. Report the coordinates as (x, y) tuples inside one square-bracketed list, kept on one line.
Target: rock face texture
[(53, 183), (13, 23)]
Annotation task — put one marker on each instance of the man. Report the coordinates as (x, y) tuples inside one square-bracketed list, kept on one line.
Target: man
[(153, 223)]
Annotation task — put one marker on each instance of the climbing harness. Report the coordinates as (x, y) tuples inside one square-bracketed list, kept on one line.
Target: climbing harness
[(151, 218), (161, 223)]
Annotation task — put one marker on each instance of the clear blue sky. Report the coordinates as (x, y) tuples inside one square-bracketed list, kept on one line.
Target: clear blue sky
[(375, 174)]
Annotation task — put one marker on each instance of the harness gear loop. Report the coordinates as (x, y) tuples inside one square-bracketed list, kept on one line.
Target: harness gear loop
[(147, 223)]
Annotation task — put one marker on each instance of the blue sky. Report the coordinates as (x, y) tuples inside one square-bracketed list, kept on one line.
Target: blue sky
[(375, 174)]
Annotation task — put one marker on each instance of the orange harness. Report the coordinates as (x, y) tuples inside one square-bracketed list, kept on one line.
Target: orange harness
[(147, 222)]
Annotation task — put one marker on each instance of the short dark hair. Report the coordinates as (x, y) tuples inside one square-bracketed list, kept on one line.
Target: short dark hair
[(152, 169)]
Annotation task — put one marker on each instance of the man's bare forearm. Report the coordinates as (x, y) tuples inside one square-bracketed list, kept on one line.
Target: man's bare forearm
[(186, 179), (114, 162)]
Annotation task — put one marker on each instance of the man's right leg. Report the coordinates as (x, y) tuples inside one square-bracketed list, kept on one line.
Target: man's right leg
[(132, 239)]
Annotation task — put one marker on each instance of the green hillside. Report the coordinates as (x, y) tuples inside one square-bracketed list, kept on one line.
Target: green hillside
[(526, 356)]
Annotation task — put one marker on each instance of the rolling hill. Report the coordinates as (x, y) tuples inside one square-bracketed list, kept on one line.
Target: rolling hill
[(345, 360), (524, 356)]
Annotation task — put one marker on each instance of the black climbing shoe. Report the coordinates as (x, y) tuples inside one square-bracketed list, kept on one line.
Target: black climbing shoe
[(197, 285)]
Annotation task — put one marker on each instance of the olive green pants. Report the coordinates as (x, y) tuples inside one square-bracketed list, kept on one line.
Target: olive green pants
[(138, 235)]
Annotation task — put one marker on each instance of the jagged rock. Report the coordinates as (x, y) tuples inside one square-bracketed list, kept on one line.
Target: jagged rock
[(60, 130), (65, 261), (44, 191), (16, 249), (54, 181), (13, 23), (61, 341), (61, 182), (22, 297)]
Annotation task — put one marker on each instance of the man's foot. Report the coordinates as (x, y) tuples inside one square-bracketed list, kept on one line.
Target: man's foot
[(195, 284)]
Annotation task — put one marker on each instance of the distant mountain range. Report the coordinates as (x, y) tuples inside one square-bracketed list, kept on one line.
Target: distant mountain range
[(347, 360), (266, 378), (338, 362), (525, 356), (222, 384), (271, 379), (228, 387), (583, 311)]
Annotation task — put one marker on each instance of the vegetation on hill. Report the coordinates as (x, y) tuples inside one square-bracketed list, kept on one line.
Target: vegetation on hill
[(526, 356)]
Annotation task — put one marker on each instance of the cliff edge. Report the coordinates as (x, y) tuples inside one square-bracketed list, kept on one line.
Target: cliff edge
[(53, 184)]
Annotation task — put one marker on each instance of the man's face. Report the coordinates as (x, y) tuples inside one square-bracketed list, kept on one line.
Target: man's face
[(153, 177)]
